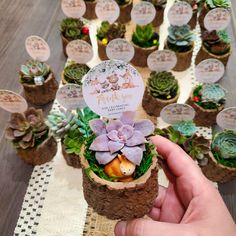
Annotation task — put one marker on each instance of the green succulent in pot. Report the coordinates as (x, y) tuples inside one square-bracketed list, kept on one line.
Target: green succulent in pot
[(186, 128), (163, 85), (218, 3)]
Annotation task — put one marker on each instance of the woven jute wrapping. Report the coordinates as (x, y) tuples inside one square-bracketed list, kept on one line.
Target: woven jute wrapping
[(71, 159), (102, 50), (40, 95), (119, 200), (158, 20), (217, 172), (203, 54), (40, 154), (90, 10), (125, 12), (153, 106)]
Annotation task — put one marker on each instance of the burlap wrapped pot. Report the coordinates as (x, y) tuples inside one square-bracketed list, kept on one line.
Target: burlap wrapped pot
[(125, 12), (90, 10)]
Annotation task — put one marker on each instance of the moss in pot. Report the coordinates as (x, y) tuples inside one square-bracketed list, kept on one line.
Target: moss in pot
[(38, 81), (125, 10)]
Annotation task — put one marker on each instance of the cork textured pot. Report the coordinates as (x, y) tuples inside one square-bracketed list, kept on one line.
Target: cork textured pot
[(203, 54), (41, 154), (65, 41), (141, 55), (193, 20), (125, 12), (159, 18), (119, 200), (153, 106), (204, 117), (71, 159), (40, 95), (217, 172), (90, 10), (102, 51)]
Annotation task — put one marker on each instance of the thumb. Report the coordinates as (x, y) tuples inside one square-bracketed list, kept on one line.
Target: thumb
[(139, 227)]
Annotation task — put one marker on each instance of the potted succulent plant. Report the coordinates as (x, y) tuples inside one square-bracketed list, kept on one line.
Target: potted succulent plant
[(73, 73), (120, 168), (72, 29), (208, 5), (90, 9), (207, 100), (72, 128), (221, 165), (215, 45), (181, 40), (160, 8), (38, 81), (162, 89), (145, 41), (107, 32), (125, 10), (29, 135)]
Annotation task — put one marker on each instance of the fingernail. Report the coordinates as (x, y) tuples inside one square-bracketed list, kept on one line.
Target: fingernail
[(120, 228)]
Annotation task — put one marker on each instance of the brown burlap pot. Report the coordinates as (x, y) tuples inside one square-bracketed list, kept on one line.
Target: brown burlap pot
[(159, 18), (153, 106), (65, 41), (120, 200), (203, 54), (204, 117), (102, 50), (90, 10), (40, 154), (125, 12), (193, 21), (141, 55), (40, 95), (217, 172), (71, 159)]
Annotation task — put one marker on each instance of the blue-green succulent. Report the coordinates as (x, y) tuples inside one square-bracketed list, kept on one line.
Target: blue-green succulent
[(186, 128)]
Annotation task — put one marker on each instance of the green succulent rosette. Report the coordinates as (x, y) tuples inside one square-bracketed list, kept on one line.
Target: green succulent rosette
[(226, 4), (186, 128)]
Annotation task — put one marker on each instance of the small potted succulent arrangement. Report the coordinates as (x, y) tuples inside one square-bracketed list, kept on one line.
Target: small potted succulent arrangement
[(106, 33), (207, 100), (160, 8), (90, 9), (72, 29), (73, 73), (72, 128), (221, 165), (125, 10), (30, 137), (38, 81), (208, 5), (145, 41), (215, 44), (162, 89), (181, 40), (120, 167)]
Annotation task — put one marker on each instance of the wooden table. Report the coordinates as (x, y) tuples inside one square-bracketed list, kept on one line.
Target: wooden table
[(20, 19)]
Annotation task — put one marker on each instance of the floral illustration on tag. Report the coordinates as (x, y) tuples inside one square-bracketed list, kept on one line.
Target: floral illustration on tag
[(73, 8), (226, 119)]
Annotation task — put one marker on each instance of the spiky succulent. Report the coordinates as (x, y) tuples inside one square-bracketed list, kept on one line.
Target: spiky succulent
[(215, 42), (32, 69), (122, 2), (157, 3), (163, 85), (71, 28), (110, 31), (75, 72), (186, 128), (180, 38), (224, 147), (145, 36), (218, 3), (27, 130)]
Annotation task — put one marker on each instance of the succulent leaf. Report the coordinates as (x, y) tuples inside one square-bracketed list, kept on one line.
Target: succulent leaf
[(186, 128)]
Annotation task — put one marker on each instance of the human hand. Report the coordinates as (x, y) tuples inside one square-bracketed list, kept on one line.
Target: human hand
[(189, 206)]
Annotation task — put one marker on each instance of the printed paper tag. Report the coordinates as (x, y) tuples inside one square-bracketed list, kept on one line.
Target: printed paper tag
[(120, 49), (73, 8), (143, 13), (209, 71), (12, 102), (217, 19), (226, 119), (70, 96), (163, 60), (176, 112), (37, 48), (107, 10), (180, 13), (113, 87), (79, 51)]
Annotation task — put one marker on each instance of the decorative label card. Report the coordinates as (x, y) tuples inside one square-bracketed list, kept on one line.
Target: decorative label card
[(226, 119), (113, 87), (73, 8)]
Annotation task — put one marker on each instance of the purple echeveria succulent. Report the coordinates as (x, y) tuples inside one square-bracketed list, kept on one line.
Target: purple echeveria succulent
[(122, 135)]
